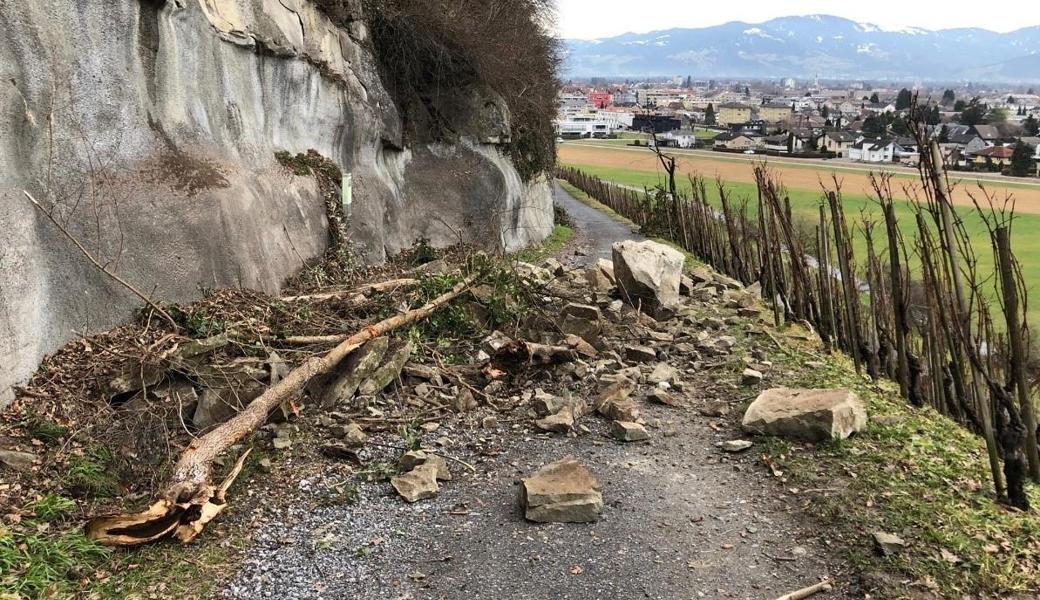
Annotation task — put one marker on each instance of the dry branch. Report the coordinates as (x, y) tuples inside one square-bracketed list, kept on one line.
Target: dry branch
[(823, 586), (191, 500), (94, 261)]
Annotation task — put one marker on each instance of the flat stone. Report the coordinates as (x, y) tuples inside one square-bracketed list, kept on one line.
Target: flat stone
[(629, 432), (410, 460), (888, 544), (751, 377), (352, 434), (811, 415), (640, 354), (663, 372), (562, 492), (282, 443), (17, 461), (418, 484), (735, 445), (662, 396), (561, 422)]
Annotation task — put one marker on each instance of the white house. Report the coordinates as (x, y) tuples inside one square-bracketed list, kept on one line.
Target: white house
[(873, 151), (678, 139)]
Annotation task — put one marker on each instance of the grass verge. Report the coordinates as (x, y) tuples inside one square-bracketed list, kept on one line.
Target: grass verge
[(920, 476), (559, 237)]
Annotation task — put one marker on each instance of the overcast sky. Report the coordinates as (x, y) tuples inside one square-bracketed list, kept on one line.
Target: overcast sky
[(588, 19)]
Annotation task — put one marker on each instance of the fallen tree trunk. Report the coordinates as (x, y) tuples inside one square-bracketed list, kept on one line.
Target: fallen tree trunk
[(191, 500)]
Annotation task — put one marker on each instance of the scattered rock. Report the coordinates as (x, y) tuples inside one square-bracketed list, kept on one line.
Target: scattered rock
[(553, 266), (418, 484), (355, 369), (751, 377), (648, 272), (620, 410), (17, 461), (282, 443), (562, 492), (410, 460), (663, 373), (219, 404), (888, 544), (341, 452), (661, 396), (581, 320), (735, 445), (812, 415), (561, 422), (351, 433), (388, 372), (489, 423), (598, 279), (546, 404), (464, 401), (495, 342), (714, 409), (629, 432), (640, 354)]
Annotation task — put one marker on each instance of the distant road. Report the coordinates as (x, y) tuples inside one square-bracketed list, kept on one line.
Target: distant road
[(838, 165)]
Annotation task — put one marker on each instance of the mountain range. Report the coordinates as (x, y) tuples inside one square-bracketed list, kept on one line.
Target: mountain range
[(804, 47)]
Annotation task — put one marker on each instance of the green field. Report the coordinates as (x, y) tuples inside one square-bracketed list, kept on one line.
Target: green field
[(805, 203)]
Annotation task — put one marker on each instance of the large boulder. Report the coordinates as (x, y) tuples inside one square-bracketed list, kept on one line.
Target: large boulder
[(562, 492), (648, 273), (811, 415)]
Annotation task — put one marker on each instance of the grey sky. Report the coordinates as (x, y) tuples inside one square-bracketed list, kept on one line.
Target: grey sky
[(588, 19)]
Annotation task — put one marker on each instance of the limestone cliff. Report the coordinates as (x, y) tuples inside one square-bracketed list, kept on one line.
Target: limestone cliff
[(151, 127)]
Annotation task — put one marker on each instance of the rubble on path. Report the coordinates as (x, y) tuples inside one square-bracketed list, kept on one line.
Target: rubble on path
[(562, 492), (418, 484)]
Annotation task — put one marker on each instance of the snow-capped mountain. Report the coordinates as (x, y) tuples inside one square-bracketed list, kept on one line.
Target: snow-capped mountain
[(831, 47)]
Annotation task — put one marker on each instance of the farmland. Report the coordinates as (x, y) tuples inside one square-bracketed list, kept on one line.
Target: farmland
[(630, 167)]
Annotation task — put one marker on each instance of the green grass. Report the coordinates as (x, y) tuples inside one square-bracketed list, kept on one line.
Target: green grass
[(805, 203), (91, 474), (37, 565), (559, 237), (918, 475), (53, 507)]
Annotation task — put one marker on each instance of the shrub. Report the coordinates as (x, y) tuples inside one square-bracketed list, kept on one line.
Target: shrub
[(434, 52)]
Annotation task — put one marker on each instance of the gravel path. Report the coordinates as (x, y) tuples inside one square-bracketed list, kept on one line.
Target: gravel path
[(682, 519), (596, 232)]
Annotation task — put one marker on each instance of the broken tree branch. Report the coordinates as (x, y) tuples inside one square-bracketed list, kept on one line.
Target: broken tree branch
[(364, 291), (94, 261), (823, 586), (191, 500)]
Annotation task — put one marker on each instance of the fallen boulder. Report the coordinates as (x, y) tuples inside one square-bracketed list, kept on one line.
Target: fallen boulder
[(17, 461), (648, 273), (355, 369), (562, 492), (629, 432), (388, 372), (415, 458), (418, 484), (811, 415)]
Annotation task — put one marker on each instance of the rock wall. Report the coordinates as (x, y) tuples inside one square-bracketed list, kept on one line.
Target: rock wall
[(149, 128)]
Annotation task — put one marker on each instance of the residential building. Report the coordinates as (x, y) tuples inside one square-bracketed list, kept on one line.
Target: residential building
[(997, 156), (969, 143), (873, 150), (775, 112), (988, 133), (731, 113), (737, 141), (838, 142), (776, 143), (678, 139), (599, 99)]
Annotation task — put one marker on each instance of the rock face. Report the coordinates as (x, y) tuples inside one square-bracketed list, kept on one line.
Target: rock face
[(648, 271), (562, 492), (811, 415), (186, 103)]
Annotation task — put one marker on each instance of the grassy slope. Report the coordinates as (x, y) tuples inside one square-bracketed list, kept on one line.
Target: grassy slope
[(804, 203), (917, 474)]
